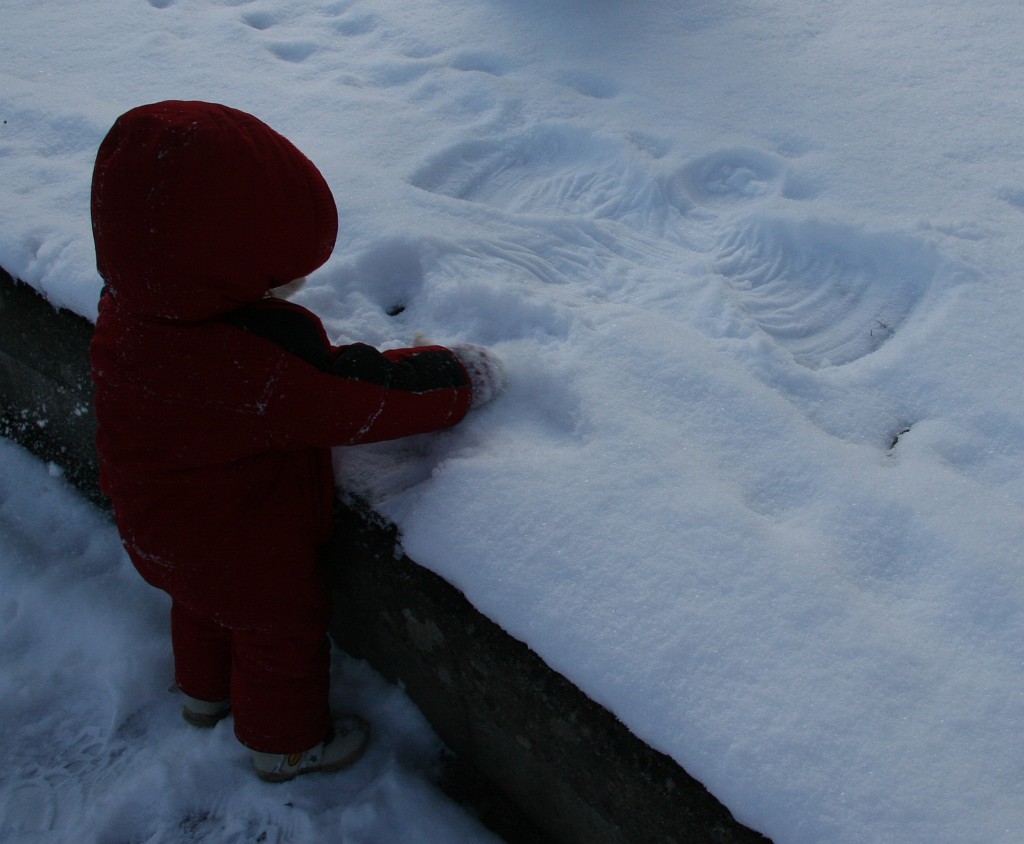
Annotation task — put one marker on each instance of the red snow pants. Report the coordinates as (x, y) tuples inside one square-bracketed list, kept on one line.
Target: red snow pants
[(278, 680)]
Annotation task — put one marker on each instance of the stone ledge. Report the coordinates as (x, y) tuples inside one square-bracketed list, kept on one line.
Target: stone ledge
[(537, 758), (45, 386), (573, 767)]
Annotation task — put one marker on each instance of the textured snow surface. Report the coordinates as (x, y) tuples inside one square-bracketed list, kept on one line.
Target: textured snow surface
[(755, 273), (95, 747)]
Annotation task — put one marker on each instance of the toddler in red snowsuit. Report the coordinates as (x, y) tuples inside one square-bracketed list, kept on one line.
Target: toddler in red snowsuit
[(218, 405)]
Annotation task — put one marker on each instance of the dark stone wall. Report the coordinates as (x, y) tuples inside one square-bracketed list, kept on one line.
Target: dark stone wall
[(573, 767), (45, 388), (536, 758)]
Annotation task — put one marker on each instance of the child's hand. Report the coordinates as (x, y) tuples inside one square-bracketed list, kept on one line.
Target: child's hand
[(486, 374)]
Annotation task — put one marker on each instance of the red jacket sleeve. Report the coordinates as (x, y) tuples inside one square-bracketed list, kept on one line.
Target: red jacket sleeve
[(172, 397), (346, 395), (367, 396)]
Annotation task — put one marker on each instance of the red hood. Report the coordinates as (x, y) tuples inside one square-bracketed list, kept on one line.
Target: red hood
[(199, 208)]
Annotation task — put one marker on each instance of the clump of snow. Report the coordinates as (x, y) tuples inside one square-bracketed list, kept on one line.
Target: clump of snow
[(754, 270)]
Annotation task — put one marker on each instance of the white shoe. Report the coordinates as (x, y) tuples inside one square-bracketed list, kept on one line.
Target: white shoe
[(204, 713), (344, 746)]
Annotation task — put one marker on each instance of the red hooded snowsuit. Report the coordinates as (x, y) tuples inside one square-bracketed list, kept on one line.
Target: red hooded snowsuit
[(217, 406)]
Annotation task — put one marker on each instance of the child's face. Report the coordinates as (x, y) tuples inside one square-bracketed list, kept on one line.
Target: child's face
[(286, 291)]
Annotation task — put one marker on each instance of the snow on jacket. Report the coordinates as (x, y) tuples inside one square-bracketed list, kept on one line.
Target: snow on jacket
[(217, 406)]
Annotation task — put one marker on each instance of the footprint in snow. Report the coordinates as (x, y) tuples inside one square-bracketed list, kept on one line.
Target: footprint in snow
[(1013, 196), (357, 25), (492, 64), (590, 84), (260, 20), (294, 52)]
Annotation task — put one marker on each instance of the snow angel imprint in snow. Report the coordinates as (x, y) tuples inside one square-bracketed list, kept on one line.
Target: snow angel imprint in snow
[(827, 293)]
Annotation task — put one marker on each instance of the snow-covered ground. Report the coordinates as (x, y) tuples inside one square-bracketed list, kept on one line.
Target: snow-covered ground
[(755, 270), (95, 749)]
